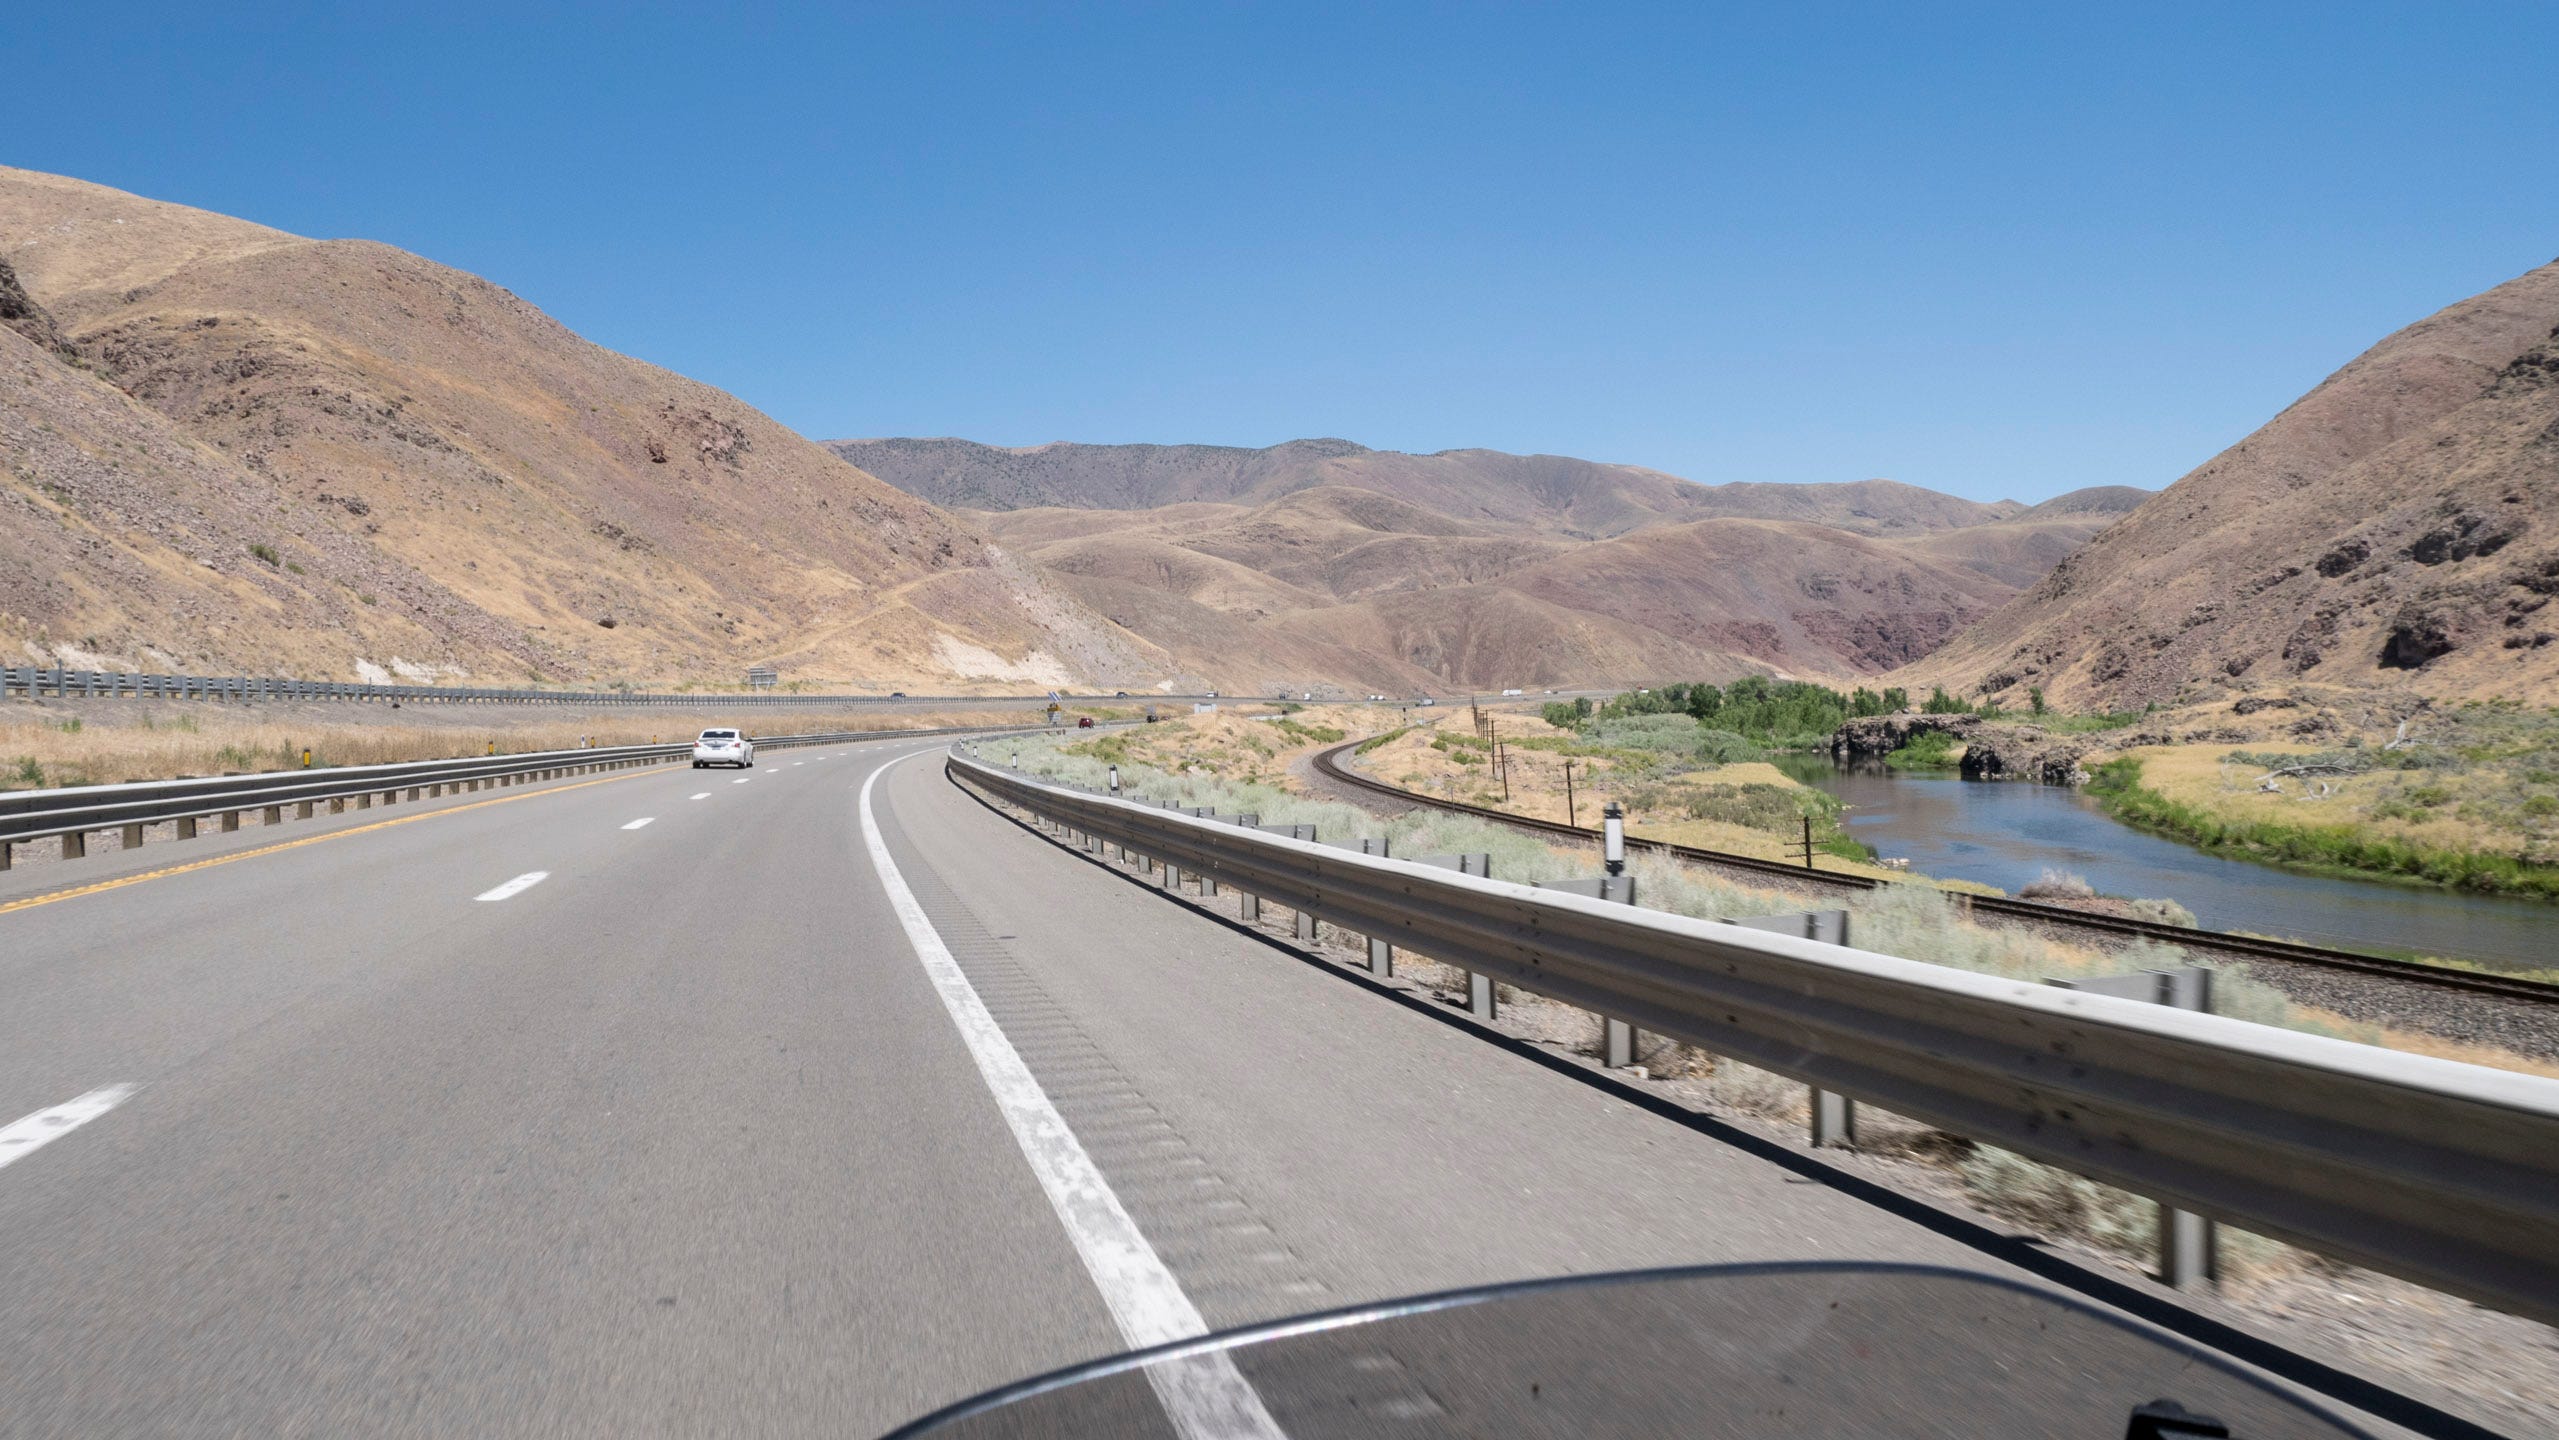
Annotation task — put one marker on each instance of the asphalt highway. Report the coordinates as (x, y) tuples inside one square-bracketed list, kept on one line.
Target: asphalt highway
[(656, 1104)]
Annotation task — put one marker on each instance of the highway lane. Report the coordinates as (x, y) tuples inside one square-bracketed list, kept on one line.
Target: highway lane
[(682, 1138), (674, 1142)]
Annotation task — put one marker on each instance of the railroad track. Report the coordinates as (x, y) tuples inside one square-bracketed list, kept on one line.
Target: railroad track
[(2246, 946)]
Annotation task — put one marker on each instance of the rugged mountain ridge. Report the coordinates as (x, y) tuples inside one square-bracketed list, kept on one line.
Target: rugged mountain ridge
[(2397, 527), (227, 446)]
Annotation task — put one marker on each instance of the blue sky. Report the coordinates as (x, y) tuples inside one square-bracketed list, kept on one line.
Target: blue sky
[(1993, 250)]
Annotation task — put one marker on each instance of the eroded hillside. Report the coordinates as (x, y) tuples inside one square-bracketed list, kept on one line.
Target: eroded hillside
[(2396, 528), (259, 450)]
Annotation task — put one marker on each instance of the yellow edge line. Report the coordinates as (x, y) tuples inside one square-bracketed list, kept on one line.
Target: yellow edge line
[(120, 882)]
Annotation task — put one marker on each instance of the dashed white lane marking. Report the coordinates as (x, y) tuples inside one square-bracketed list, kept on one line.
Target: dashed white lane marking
[(705, 795), (639, 823), (742, 779), (799, 762), (1205, 1396), (27, 1136), (516, 886)]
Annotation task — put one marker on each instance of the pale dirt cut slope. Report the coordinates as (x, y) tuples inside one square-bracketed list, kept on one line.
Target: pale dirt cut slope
[(442, 474)]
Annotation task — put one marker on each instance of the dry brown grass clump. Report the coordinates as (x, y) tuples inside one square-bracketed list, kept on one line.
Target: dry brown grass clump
[(54, 745)]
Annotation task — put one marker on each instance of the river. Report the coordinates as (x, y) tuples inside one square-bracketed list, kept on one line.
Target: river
[(2006, 833)]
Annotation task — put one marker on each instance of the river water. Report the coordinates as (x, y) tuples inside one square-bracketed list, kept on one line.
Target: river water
[(2006, 833)]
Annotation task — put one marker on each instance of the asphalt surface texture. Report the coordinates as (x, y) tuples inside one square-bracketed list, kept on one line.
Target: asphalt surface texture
[(681, 1138)]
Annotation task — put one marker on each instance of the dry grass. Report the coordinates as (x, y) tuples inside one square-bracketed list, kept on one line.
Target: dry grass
[(109, 741), (1444, 763), (2195, 775)]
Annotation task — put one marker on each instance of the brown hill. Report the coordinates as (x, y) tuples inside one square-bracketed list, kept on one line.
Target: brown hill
[(269, 453), (1545, 494), (2398, 526), (1339, 582)]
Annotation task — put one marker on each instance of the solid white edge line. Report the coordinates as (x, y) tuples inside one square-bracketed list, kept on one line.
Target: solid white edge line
[(25, 1137), (640, 823), (1205, 1396), (516, 886)]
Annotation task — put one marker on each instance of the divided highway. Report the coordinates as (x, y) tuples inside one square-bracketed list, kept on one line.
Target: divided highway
[(678, 1102)]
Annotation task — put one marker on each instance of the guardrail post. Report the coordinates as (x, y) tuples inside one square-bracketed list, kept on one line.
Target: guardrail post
[(133, 837), (2189, 1243), (2189, 1249), (4, 854), (230, 821), (75, 844), (1381, 955), (186, 827), (1248, 908), (1834, 1120), (1479, 995), (300, 812)]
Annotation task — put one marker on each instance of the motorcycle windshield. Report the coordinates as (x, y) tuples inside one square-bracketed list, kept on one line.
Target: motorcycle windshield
[(1749, 1351)]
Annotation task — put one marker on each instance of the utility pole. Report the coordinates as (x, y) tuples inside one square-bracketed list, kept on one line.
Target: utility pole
[(1572, 816)]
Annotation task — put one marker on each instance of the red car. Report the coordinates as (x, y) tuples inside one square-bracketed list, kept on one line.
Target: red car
[(1083, 722)]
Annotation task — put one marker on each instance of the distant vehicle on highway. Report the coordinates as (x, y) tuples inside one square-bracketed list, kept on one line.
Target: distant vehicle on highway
[(723, 747), (1424, 700), (1083, 722), (1514, 692), (897, 694), (1119, 694)]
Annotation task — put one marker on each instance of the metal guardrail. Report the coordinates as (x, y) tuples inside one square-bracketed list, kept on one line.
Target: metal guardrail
[(2443, 1173), (2511, 987), (30, 681), (72, 814)]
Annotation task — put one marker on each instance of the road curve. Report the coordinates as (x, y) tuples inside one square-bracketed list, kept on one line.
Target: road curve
[(524, 1118)]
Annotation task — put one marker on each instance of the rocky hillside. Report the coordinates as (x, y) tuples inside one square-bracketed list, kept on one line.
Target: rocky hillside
[(222, 446), (2397, 528), (1337, 581), (1543, 494)]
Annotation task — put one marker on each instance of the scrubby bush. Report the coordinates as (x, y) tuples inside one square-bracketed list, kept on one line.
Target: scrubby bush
[(1723, 747), (1661, 734), (1934, 750), (2056, 885)]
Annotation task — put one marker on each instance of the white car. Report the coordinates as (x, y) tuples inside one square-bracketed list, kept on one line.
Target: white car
[(723, 747)]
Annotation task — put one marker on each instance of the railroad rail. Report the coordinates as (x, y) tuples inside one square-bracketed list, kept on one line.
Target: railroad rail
[(2511, 987)]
